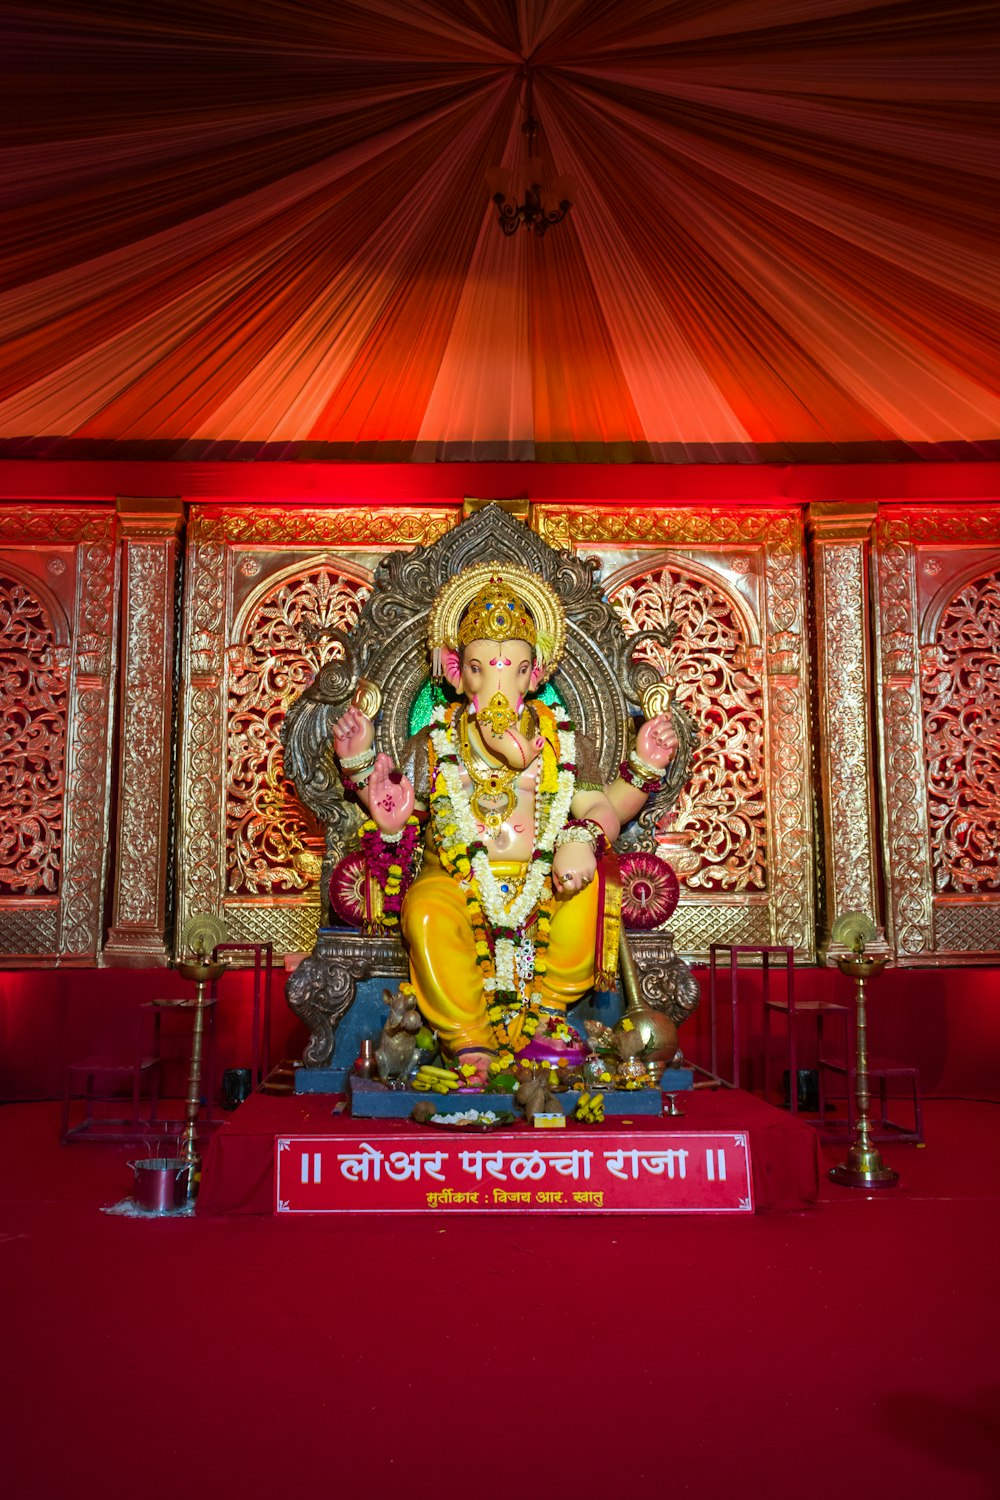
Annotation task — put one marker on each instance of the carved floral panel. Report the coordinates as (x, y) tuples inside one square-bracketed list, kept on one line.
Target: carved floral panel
[(939, 624), (749, 875), (721, 811), (271, 839), (33, 716), (255, 610), (57, 665), (960, 691)]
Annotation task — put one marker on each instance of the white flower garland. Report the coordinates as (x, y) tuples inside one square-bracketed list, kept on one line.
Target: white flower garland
[(498, 912)]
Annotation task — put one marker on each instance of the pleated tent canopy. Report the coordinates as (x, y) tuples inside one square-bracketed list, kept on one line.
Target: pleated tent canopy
[(264, 229)]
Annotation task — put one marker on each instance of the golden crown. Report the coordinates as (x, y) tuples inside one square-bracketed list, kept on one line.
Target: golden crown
[(497, 613), (467, 606)]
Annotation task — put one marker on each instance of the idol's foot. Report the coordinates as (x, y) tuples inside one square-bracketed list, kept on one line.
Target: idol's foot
[(479, 1063)]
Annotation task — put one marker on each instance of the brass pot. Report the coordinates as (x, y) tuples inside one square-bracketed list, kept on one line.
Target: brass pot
[(657, 1030), (631, 1070)]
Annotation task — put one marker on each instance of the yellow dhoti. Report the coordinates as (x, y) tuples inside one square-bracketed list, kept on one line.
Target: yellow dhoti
[(436, 925)]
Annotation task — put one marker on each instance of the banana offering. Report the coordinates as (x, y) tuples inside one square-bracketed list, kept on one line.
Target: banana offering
[(430, 1080), (590, 1109)]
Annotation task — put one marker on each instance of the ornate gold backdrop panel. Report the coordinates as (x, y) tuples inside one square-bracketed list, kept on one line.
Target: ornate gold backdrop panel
[(273, 844), (58, 615), (741, 835), (265, 597), (35, 702), (716, 836), (938, 577)]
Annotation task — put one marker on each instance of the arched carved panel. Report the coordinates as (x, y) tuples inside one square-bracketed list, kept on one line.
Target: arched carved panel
[(960, 692), (938, 620), (271, 838), (720, 811), (255, 612), (34, 705), (749, 565), (58, 649)]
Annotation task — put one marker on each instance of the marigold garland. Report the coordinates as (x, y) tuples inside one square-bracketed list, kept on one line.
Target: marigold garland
[(390, 864)]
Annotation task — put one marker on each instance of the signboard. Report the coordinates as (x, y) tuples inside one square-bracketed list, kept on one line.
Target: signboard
[(592, 1172)]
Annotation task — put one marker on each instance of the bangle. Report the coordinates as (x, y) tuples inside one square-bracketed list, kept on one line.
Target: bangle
[(356, 783), (359, 761), (575, 833), (642, 781), (642, 766), (584, 831)]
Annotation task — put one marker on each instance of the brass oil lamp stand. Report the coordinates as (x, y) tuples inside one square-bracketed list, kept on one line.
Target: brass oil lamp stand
[(201, 936), (201, 971), (863, 1166)]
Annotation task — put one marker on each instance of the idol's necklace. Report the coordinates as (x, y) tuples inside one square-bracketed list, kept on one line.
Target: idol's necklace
[(493, 798)]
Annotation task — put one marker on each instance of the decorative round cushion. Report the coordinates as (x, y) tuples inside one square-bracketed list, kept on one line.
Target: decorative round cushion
[(650, 891), (347, 889)]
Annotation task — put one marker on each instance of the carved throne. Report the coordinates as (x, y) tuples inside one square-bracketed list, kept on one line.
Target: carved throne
[(599, 682)]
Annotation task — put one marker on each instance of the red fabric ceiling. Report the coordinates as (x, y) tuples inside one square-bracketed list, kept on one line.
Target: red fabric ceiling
[(236, 222)]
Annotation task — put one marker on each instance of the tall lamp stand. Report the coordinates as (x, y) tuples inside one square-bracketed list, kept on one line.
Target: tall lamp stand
[(201, 972), (863, 1166)]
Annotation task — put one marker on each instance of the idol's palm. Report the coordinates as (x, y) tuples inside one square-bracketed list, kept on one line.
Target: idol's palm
[(390, 796)]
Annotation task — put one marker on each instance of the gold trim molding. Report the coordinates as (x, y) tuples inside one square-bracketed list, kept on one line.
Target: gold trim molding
[(839, 548), (347, 526), (150, 531)]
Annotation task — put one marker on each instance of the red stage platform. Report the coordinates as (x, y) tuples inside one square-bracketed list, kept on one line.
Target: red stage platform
[(239, 1174)]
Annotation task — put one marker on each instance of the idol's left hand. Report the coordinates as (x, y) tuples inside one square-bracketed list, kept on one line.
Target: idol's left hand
[(656, 743), (573, 867)]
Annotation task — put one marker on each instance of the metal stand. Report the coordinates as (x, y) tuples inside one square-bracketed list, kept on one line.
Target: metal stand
[(863, 1166), (201, 972)]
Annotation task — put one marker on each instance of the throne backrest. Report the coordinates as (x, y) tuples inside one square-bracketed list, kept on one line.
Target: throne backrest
[(598, 680)]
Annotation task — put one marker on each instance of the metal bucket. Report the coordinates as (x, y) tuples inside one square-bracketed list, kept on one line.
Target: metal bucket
[(161, 1183)]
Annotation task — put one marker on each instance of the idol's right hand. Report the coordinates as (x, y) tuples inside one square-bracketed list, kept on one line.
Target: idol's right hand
[(352, 733)]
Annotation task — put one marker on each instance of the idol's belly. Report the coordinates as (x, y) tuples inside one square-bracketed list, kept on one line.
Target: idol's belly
[(505, 819), (514, 839)]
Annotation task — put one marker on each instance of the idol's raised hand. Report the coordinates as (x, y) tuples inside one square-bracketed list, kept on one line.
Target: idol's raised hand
[(390, 796), (656, 743), (352, 733)]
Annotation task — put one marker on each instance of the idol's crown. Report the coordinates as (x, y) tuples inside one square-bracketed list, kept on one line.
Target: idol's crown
[(497, 613)]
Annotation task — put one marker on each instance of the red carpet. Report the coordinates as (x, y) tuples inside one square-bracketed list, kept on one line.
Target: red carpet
[(846, 1350)]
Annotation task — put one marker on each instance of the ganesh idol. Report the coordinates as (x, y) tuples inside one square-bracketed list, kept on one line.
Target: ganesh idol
[(496, 822)]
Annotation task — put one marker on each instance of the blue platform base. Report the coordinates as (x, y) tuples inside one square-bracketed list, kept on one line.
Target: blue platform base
[(369, 1013), (373, 1101)]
